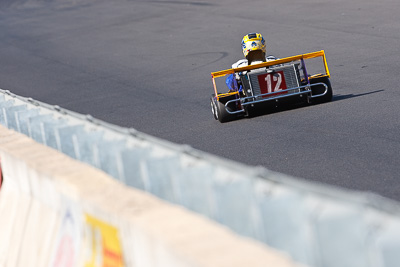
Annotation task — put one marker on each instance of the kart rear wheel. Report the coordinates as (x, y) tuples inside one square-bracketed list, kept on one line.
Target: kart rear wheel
[(214, 107), (219, 111), (222, 114), (319, 89)]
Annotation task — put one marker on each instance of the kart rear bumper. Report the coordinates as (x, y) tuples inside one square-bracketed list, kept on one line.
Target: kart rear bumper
[(287, 93)]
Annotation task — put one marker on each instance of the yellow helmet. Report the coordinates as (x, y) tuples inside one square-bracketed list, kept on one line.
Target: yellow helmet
[(253, 41)]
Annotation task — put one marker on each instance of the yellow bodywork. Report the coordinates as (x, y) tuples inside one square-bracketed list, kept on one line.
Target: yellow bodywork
[(267, 64)]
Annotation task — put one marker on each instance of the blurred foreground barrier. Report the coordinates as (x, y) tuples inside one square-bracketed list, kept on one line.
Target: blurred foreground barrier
[(316, 225), (56, 211)]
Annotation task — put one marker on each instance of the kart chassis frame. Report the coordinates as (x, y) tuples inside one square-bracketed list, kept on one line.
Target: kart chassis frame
[(242, 102)]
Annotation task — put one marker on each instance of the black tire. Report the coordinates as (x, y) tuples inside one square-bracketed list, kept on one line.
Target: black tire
[(319, 89), (214, 107), (222, 114)]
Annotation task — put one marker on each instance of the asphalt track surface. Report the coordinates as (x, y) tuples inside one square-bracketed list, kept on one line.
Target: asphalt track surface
[(147, 65)]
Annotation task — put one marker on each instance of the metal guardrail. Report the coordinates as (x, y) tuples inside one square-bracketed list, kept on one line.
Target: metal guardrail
[(315, 224)]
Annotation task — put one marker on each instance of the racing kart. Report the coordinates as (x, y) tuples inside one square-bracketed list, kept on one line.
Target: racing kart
[(285, 80)]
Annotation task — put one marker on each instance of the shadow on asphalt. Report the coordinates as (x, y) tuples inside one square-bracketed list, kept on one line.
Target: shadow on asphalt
[(338, 97)]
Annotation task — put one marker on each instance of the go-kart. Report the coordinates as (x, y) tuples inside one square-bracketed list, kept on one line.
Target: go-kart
[(278, 82)]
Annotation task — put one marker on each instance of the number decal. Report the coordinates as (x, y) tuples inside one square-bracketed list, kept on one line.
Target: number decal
[(279, 81), (277, 78), (272, 82), (269, 83)]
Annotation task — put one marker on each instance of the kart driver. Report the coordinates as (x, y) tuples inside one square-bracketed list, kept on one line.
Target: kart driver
[(254, 50)]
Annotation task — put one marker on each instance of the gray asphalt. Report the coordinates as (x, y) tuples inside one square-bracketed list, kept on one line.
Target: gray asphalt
[(147, 65)]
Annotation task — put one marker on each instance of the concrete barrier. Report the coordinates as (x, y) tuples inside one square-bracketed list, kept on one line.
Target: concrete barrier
[(56, 211), (317, 225)]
